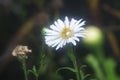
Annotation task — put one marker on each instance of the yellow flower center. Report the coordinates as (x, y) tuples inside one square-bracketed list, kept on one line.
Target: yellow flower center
[(66, 33)]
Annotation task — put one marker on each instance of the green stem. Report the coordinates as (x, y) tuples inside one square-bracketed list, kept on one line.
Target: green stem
[(100, 54), (77, 70), (74, 61), (24, 68), (36, 77)]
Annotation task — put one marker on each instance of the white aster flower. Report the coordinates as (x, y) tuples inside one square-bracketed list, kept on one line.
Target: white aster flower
[(62, 32)]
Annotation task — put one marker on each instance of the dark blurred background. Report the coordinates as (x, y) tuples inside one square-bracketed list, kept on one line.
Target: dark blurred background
[(21, 22)]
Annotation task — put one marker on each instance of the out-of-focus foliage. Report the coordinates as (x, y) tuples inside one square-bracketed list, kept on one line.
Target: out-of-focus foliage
[(21, 22)]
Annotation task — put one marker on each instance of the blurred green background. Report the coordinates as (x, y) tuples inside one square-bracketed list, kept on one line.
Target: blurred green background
[(21, 22)]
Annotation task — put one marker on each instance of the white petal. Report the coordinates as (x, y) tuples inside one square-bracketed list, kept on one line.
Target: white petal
[(71, 40), (48, 31), (74, 43), (57, 42), (51, 38), (49, 43), (65, 42), (58, 46), (62, 43), (52, 34), (66, 22), (75, 38), (82, 23), (72, 23), (53, 27), (79, 35), (59, 26), (76, 24), (78, 29), (60, 22), (53, 43)]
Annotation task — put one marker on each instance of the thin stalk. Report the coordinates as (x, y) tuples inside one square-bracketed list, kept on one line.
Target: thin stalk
[(36, 77), (77, 70), (24, 68), (74, 61)]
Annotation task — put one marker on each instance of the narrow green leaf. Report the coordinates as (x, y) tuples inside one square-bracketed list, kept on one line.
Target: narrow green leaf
[(94, 63), (30, 71), (87, 75), (34, 69), (83, 66), (67, 68)]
